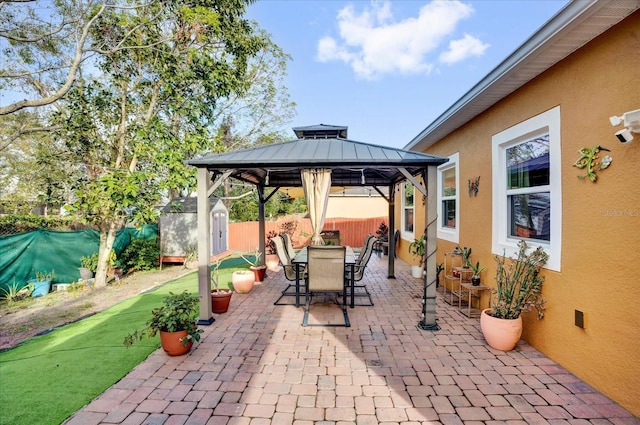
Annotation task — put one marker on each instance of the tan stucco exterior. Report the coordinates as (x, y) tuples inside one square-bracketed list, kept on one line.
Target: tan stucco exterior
[(600, 221), (357, 207)]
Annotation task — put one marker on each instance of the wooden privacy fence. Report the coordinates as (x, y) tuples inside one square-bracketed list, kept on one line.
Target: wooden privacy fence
[(244, 236)]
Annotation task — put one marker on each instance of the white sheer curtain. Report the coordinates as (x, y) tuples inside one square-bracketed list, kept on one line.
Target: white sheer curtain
[(317, 185)]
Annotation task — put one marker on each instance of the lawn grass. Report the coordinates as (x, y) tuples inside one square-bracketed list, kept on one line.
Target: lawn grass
[(51, 376)]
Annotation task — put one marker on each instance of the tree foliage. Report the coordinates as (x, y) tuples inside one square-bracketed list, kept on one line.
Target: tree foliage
[(134, 90)]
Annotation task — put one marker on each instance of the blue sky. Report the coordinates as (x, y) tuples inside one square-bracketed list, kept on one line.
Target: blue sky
[(387, 69)]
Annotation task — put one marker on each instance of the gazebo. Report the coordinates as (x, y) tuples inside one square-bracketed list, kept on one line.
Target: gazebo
[(321, 157)]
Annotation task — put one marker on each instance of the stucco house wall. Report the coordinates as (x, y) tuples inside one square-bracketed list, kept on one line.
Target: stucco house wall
[(356, 207), (600, 232)]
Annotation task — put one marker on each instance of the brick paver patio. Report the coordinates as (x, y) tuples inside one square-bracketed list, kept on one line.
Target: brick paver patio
[(256, 365)]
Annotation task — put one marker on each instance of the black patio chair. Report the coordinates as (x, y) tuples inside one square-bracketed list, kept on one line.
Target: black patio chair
[(326, 265), (288, 245), (359, 268), (289, 270)]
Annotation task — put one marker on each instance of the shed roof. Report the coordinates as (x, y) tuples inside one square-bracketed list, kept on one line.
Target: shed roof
[(349, 160), (188, 205)]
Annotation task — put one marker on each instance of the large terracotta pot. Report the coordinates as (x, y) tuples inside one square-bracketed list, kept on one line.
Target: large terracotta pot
[(172, 343), (243, 281), (258, 273), (220, 300), (501, 334)]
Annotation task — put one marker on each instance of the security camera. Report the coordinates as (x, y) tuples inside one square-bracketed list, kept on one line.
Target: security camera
[(631, 120), (624, 135)]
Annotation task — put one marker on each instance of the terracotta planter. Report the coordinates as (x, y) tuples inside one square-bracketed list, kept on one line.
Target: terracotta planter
[(220, 300), (172, 344), (501, 334), (243, 281), (258, 273)]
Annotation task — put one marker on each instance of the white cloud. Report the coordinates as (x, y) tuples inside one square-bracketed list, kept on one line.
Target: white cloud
[(374, 44), (462, 49)]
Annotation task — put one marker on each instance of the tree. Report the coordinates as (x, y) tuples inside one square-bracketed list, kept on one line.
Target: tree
[(33, 169), (154, 83)]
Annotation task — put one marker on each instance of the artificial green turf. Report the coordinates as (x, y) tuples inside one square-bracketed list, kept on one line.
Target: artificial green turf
[(49, 377)]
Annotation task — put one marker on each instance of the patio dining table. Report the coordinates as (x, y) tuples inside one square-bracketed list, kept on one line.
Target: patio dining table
[(300, 261)]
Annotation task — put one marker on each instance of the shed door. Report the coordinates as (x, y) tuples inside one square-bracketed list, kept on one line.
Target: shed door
[(218, 232)]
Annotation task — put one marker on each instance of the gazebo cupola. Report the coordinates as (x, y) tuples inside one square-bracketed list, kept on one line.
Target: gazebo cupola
[(321, 131)]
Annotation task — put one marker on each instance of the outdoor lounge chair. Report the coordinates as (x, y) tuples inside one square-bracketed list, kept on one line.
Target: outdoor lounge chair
[(359, 268), (288, 245), (289, 271), (326, 267)]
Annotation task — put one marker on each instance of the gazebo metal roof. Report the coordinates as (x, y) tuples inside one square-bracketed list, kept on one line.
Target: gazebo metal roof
[(279, 165), (352, 164)]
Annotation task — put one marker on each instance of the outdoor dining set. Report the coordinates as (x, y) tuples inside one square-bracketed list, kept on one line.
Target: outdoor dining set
[(323, 269)]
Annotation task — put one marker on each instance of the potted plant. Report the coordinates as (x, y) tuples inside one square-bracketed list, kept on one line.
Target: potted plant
[(475, 279), (382, 234), (416, 248), (220, 298), (243, 281), (271, 256), (42, 283), (175, 321), (89, 266), (519, 287), (466, 254), (254, 264)]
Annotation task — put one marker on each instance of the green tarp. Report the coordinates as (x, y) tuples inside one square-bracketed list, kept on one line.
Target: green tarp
[(24, 254)]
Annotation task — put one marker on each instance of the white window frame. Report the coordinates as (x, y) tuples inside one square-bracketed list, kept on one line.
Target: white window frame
[(406, 235), (444, 232), (502, 242)]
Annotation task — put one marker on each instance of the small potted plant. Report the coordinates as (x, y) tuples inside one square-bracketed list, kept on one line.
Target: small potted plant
[(254, 264), (475, 279), (382, 234), (519, 288), (42, 283), (243, 281), (220, 298), (175, 321), (466, 255), (416, 248), (89, 266), (271, 256)]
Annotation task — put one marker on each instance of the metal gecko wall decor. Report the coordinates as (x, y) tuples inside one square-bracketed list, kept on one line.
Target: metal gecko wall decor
[(590, 160), (474, 184)]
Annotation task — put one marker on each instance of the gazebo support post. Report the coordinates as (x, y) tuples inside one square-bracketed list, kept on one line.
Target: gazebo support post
[(392, 231), (204, 248), (428, 321), (261, 224)]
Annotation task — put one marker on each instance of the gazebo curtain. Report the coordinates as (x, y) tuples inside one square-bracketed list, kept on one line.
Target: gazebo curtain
[(317, 185)]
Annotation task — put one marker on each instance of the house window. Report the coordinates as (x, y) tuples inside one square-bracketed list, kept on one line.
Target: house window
[(527, 186), (407, 211), (448, 200)]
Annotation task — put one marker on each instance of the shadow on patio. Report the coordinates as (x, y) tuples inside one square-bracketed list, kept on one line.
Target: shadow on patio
[(257, 365)]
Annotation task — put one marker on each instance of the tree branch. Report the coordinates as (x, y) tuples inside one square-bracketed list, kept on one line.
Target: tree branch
[(73, 69)]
